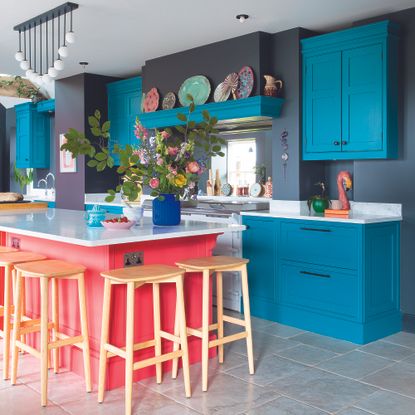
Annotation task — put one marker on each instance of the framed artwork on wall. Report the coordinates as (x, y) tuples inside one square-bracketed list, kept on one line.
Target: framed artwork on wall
[(67, 164)]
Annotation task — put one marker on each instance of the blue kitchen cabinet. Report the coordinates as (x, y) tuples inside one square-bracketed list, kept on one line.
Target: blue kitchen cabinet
[(124, 101), (350, 83), (32, 137), (339, 280)]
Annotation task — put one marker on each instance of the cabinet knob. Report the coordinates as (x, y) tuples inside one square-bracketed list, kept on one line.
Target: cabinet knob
[(336, 143), (344, 143)]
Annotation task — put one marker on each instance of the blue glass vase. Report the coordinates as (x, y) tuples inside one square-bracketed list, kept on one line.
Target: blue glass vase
[(166, 212)]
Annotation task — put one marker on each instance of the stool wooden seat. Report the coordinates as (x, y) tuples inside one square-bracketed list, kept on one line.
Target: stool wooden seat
[(135, 277), (53, 270), (9, 257), (219, 264)]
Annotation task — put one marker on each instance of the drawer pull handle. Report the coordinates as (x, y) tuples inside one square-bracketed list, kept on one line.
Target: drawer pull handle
[(315, 274), (316, 229)]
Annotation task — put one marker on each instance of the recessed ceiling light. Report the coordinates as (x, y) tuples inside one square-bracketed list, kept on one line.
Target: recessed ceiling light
[(242, 17)]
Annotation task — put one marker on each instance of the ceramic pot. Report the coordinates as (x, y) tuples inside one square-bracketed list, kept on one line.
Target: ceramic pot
[(133, 213), (272, 86), (320, 205), (166, 212)]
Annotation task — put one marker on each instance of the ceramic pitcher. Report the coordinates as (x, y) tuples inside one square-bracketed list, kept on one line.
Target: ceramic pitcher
[(272, 86)]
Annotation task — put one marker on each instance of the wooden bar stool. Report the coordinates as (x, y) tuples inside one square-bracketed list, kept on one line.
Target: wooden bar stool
[(53, 270), (8, 260), (219, 264), (135, 277)]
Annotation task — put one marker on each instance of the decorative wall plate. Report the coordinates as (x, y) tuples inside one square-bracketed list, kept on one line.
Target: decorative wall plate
[(221, 93), (151, 101), (246, 82), (227, 189), (198, 87), (232, 82), (169, 101), (256, 190)]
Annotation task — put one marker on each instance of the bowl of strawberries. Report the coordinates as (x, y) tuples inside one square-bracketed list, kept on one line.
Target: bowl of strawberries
[(118, 223)]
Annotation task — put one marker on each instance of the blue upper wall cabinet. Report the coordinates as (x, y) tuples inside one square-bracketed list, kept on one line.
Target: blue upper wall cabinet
[(32, 137), (124, 102), (350, 99)]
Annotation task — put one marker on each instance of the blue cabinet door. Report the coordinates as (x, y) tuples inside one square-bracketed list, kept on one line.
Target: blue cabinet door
[(322, 104), (23, 139), (362, 79)]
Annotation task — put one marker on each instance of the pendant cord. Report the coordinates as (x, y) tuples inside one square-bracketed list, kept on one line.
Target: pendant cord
[(53, 40), (40, 50), (47, 45), (30, 47), (24, 42), (64, 29)]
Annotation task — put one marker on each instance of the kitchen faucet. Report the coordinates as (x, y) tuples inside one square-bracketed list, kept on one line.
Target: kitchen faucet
[(46, 185), (53, 182)]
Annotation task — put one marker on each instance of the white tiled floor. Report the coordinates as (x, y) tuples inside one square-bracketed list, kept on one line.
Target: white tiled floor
[(297, 373)]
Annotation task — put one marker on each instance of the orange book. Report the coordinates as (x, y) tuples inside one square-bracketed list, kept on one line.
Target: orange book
[(342, 212)]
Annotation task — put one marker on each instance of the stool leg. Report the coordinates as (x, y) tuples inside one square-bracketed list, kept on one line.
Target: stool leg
[(44, 337), (219, 305), (129, 348), (84, 332), (175, 363), (183, 336), (247, 316), (6, 322), (205, 330), (55, 320), (23, 336), (157, 338), (106, 308), (16, 325)]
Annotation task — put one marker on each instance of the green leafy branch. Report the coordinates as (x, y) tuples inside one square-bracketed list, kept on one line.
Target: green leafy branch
[(22, 177)]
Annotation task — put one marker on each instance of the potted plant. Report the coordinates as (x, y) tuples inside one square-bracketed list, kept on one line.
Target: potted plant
[(164, 161), (319, 202), (22, 176)]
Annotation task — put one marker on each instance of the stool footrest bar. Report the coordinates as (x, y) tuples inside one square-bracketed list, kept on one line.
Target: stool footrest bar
[(228, 339), (28, 349), (69, 341), (157, 359), (234, 320), (198, 332), (169, 336)]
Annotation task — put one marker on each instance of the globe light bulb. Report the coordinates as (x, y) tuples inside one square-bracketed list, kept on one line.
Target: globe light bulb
[(19, 56), (24, 65), (29, 73), (46, 78), (52, 72), (58, 64), (63, 51), (70, 37)]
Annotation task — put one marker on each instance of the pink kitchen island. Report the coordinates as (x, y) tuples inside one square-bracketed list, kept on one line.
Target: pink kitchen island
[(63, 234)]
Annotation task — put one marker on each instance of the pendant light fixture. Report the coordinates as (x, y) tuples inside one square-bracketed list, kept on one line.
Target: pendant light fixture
[(38, 57)]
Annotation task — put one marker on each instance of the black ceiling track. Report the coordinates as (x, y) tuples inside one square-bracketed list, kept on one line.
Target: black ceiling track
[(49, 15)]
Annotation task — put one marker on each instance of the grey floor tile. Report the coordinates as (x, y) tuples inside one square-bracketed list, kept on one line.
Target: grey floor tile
[(306, 354), (353, 411), (403, 338), (387, 403), (226, 395), (410, 359), (398, 378), (355, 364), (281, 330), (328, 343), (268, 370), (285, 406), (388, 350), (323, 390)]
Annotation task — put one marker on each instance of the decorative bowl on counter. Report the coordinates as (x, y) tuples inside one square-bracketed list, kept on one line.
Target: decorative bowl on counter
[(118, 223), (134, 213)]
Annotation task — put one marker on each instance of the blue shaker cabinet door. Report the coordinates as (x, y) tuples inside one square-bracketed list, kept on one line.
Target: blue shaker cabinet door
[(362, 99), (23, 140), (322, 106)]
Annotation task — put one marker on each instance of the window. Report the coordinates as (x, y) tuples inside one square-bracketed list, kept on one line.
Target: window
[(241, 161)]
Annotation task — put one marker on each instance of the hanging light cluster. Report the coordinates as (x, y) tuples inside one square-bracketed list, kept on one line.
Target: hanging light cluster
[(43, 43)]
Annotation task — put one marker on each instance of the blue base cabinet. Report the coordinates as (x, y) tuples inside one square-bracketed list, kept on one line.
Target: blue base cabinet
[(32, 137), (350, 99), (339, 280), (124, 102)]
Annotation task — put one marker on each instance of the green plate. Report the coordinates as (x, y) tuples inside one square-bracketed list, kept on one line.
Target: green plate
[(198, 87)]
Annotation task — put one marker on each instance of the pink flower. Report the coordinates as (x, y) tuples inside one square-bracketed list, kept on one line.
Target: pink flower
[(164, 135), (140, 131), (159, 161), (193, 167), (172, 170), (154, 183), (172, 151)]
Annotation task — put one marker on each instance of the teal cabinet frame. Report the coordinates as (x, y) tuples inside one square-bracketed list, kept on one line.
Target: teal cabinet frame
[(350, 290), (350, 93), (124, 103), (32, 137)]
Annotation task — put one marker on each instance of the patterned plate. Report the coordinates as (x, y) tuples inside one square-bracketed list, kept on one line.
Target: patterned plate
[(227, 189), (151, 101), (246, 82), (198, 87), (169, 101), (221, 93), (232, 82)]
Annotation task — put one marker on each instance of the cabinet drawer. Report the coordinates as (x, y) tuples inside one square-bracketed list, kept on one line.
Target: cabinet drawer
[(322, 244), (320, 289)]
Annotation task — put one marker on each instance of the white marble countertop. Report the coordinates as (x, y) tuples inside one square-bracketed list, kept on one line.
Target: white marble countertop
[(69, 226)]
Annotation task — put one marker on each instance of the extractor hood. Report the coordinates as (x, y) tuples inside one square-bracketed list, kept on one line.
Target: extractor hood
[(233, 115)]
